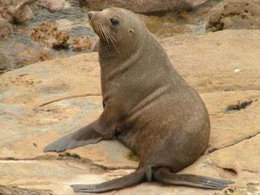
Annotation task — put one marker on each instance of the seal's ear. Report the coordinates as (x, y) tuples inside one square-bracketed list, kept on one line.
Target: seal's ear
[(131, 30)]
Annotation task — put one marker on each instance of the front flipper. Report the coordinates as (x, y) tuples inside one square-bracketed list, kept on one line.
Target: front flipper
[(103, 128), (84, 136), (164, 175), (126, 181)]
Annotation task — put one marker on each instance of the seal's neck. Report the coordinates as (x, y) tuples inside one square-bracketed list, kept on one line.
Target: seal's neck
[(107, 51), (115, 60)]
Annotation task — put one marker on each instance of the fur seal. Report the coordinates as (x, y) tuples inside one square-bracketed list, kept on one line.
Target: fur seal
[(147, 106)]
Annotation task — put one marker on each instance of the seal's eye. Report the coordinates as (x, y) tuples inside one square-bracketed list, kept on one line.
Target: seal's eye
[(114, 21)]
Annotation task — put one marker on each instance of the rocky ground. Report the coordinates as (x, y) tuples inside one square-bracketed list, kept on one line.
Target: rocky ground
[(43, 101), (38, 30)]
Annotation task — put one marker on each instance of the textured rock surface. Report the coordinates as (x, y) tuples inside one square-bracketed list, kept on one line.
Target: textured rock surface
[(13, 190), (235, 14), (49, 34), (81, 43), (17, 11), (145, 6), (5, 63), (5, 28), (222, 66), (52, 5)]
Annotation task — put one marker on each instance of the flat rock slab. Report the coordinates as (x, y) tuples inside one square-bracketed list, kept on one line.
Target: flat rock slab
[(222, 61), (43, 101), (56, 175)]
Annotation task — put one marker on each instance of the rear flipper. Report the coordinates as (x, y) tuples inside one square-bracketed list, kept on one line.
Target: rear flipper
[(84, 136), (115, 184), (164, 175)]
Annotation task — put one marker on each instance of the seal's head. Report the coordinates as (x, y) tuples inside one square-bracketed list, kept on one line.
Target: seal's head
[(117, 28)]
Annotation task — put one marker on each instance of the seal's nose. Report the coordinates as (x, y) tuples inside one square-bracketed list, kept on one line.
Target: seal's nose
[(90, 14)]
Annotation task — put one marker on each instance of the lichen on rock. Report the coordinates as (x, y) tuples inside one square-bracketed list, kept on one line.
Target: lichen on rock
[(234, 14), (50, 36)]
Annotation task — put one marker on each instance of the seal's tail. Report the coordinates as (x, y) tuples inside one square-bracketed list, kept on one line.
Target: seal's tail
[(165, 176), (81, 137), (126, 181)]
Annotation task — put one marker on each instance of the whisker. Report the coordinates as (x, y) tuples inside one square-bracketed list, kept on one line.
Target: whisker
[(110, 34), (105, 33), (113, 40), (99, 30), (110, 37)]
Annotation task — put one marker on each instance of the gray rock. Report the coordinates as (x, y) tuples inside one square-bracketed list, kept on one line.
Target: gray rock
[(16, 11), (234, 14), (5, 63), (52, 5), (5, 28), (145, 6)]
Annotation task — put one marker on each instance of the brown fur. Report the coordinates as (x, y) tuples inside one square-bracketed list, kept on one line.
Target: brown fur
[(147, 106)]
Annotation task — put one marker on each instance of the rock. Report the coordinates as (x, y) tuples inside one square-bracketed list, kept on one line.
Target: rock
[(5, 28), (145, 6), (43, 101), (13, 190), (81, 43), (5, 63), (204, 64), (229, 123), (48, 174), (49, 35), (24, 13), (166, 25), (234, 14), (22, 55), (52, 5), (16, 11), (4, 14), (241, 151)]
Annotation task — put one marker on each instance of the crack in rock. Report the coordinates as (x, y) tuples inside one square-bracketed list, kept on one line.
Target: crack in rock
[(105, 168), (239, 106), (68, 97), (229, 170), (214, 149), (70, 158), (250, 171), (44, 157)]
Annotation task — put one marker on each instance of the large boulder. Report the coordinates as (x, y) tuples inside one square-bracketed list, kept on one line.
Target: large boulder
[(145, 6), (235, 14), (43, 101), (16, 11)]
